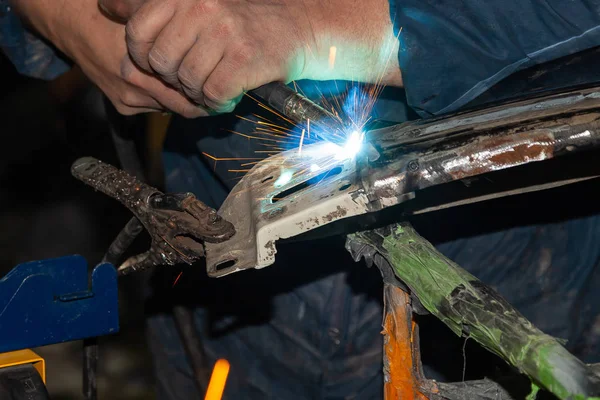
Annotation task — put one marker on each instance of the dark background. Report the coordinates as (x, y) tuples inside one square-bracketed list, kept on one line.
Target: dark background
[(45, 213)]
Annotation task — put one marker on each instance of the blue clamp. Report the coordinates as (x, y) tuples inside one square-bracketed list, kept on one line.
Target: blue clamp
[(49, 301)]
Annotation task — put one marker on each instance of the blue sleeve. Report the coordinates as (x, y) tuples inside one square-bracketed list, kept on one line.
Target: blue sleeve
[(30, 55), (452, 51)]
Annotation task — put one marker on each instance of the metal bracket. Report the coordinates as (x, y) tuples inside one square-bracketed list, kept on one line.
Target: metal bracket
[(292, 193)]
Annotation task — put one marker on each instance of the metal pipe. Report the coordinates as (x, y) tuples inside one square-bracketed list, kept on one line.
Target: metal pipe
[(301, 110)]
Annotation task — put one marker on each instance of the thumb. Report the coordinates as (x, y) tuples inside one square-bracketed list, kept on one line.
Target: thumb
[(120, 9)]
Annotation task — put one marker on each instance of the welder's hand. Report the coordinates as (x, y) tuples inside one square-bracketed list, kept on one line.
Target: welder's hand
[(214, 50), (97, 45)]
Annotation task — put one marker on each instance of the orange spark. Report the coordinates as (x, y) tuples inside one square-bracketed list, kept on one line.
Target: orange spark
[(276, 133), (254, 137), (269, 109), (301, 141), (272, 125), (273, 149), (177, 279), (276, 113), (332, 53), (228, 158)]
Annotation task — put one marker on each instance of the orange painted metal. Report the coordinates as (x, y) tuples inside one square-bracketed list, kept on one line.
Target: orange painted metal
[(403, 375), (25, 356)]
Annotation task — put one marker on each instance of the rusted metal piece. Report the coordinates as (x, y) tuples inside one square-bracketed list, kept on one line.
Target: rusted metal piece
[(514, 115), (403, 377), (402, 161), (415, 168), (503, 152), (178, 224)]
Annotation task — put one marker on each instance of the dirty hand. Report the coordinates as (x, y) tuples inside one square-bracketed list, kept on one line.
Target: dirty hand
[(215, 50), (97, 45)]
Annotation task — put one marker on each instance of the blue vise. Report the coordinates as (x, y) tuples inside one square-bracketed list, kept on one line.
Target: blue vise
[(49, 301)]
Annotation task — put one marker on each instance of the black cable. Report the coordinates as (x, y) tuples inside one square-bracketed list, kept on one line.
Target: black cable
[(184, 321), (90, 346), (123, 240), (90, 368), (130, 162), (183, 316), (122, 130)]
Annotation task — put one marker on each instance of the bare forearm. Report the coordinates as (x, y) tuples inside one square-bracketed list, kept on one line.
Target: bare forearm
[(50, 18)]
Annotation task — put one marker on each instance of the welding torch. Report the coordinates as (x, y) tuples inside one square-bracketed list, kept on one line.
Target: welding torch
[(301, 110)]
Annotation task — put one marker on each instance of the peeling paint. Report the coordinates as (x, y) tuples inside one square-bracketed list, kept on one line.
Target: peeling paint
[(401, 358), (497, 153)]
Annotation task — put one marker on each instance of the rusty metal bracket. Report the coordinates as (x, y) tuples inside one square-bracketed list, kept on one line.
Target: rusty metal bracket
[(266, 207)]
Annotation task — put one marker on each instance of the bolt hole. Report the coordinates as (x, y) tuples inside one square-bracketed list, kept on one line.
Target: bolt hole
[(345, 187), (225, 265), (266, 179), (311, 182)]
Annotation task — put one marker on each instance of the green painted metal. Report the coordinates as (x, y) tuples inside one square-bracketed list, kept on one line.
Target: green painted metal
[(471, 308)]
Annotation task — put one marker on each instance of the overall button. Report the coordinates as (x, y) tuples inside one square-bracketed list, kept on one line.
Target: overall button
[(334, 334)]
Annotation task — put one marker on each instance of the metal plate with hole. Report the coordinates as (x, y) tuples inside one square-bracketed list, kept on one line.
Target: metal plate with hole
[(281, 197)]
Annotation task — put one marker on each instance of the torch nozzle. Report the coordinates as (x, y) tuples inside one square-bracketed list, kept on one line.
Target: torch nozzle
[(302, 110)]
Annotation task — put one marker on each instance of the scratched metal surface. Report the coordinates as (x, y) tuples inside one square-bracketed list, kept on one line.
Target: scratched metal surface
[(263, 214), (420, 155), (412, 156)]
